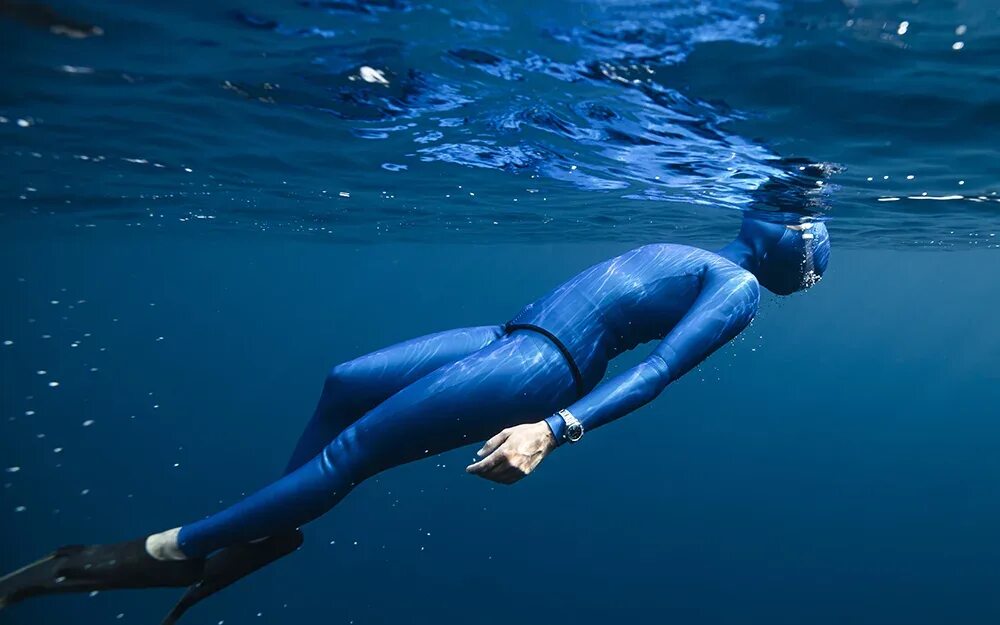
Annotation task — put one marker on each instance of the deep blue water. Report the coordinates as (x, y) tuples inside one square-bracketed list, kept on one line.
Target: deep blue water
[(203, 206)]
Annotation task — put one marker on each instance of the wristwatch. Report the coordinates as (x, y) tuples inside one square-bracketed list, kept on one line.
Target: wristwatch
[(574, 429)]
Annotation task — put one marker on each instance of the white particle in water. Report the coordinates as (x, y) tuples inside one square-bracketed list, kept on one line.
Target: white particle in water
[(8, 343), (57, 450), (909, 177), (958, 45), (961, 30), (13, 469), (74, 69), (28, 413), (23, 123), (88, 423), (84, 491), (370, 74), (344, 194), (961, 182), (93, 593), (20, 509), (41, 372), (53, 384)]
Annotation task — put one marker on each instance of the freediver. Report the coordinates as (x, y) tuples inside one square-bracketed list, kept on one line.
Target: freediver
[(527, 386)]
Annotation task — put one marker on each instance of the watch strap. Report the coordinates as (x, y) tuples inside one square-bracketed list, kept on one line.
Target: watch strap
[(560, 424), (558, 427)]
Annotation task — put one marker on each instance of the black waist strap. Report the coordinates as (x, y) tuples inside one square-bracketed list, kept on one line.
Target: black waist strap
[(510, 326)]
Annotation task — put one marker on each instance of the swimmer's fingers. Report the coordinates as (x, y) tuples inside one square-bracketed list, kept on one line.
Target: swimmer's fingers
[(494, 458), (488, 465), (491, 445), (502, 467)]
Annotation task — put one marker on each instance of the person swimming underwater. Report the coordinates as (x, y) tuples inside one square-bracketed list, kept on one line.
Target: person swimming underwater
[(527, 387)]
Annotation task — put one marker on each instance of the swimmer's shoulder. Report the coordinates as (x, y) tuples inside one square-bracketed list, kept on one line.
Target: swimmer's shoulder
[(737, 282)]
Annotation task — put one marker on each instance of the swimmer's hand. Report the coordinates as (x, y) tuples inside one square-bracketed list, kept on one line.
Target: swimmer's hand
[(514, 453)]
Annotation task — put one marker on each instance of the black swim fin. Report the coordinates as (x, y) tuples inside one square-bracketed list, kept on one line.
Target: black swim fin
[(84, 568), (233, 564)]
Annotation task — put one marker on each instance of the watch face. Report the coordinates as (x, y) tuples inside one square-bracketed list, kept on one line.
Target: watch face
[(574, 432)]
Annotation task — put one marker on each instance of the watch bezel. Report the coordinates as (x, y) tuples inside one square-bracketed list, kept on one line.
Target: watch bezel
[(574, 432)]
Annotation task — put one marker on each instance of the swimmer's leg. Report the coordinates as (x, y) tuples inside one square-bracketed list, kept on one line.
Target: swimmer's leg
[(355, 387), (519, 378)]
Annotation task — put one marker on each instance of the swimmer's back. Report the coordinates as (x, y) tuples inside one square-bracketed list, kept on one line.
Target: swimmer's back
[(622, 302)]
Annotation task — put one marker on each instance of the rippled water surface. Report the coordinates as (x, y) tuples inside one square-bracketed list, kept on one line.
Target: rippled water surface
[(398, 119)]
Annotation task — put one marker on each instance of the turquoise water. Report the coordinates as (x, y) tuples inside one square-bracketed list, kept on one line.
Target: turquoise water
[(835, 464)]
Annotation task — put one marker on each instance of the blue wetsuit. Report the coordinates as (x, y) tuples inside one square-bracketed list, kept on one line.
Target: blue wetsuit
[(450, 389)]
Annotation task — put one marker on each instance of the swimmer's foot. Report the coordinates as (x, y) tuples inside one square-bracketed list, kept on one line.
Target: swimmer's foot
[(233, 564), (85, 568)]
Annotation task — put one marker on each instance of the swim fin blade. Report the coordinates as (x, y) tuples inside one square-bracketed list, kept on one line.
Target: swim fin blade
[(85, 568), (231, 565)]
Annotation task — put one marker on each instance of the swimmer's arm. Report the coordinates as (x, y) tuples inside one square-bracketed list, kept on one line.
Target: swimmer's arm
[(724, 307)]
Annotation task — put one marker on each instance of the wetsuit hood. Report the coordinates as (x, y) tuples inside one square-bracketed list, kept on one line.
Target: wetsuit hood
[(786, 259)]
